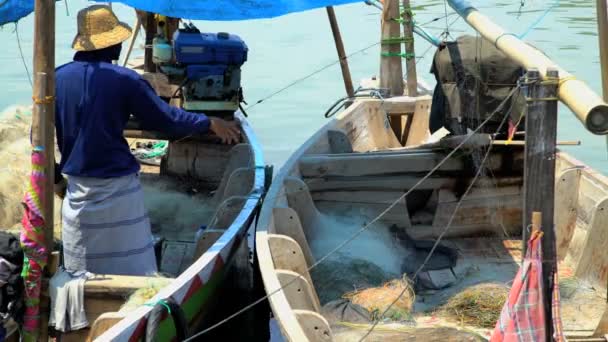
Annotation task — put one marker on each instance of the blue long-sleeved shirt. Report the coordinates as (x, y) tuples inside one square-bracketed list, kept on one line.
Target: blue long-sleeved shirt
[(94, 100)]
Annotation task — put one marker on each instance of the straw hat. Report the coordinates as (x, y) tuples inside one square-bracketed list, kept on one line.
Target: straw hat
[(98, 28)]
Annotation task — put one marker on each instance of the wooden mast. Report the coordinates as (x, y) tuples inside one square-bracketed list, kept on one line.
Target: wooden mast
[(335, 29), (43, 139), (602, 29), (43, 115), (410, 55), (150, 29), (391, 71), (539, 172)]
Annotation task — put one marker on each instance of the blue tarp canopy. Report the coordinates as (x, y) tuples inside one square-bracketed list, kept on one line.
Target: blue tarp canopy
[(13, 10)]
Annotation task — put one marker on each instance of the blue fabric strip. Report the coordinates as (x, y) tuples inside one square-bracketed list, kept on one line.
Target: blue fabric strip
[(14, 10), (120, 254), (105, 225)]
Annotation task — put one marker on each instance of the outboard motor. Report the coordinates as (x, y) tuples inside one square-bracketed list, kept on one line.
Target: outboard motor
[(206, 66)]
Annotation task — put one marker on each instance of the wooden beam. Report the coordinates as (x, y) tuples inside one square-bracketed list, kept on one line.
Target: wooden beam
[(367, 164), (335, 29), (379, 183), (408, 36), (539, 171)]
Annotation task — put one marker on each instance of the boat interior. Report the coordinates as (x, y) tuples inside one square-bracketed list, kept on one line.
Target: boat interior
[(344, 196)]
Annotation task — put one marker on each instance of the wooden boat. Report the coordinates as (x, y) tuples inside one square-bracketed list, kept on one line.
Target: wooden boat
[(351, 178), (355, 166)]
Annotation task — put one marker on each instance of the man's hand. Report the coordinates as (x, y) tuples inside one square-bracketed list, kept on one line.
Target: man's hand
[(60, 188), (228, 131)]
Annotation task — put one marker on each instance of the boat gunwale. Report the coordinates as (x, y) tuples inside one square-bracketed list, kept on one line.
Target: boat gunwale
[(278, 299)]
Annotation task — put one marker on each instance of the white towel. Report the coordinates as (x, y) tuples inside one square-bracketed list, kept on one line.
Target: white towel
[(67, 300)]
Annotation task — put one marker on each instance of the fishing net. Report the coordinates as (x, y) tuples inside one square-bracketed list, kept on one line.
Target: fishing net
[(176, 210), (15, 154), (341, 275), (479, 305), (143, 295), (378, 299)]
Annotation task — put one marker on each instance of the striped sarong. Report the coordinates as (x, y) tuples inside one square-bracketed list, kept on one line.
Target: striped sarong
[(106, 229)]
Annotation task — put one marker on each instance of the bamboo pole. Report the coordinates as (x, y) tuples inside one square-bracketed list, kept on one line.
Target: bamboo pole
[(335, 29), (588, 107), (408, 36)]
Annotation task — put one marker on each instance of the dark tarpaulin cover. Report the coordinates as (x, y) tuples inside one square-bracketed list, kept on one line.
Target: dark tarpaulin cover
[(13, 10), (473, 79)]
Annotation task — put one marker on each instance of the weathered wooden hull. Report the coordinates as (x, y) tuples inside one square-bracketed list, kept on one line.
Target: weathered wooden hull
[(355, 161)]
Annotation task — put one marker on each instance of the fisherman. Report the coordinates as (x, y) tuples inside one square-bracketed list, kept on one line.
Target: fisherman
[(105, 227)]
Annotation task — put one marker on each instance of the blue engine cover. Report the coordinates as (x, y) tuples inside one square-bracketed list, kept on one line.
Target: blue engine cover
[(209, 48), (194, 72)]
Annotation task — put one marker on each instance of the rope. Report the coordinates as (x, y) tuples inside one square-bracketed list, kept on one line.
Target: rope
[(502, 35), (27, 70), (159, 302), (297, 81), (363, 229), (537, 21), (44, 100), (398, 54), (447, 26), (397, 40), (565, 79), (477, 174)]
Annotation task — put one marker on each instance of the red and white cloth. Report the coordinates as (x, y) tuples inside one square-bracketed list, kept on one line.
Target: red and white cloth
[(523, 316)]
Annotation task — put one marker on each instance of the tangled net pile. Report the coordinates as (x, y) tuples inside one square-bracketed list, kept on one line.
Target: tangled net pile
[(479, 305), (15, 151), (377, 299)]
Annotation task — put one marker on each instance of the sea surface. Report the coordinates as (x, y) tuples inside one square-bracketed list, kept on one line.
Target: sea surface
[(285, 49)]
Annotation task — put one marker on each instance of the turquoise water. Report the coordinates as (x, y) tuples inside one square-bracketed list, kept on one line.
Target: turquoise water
[(290, 47)]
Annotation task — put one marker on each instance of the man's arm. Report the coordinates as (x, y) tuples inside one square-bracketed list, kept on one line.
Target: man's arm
[(155, 114)]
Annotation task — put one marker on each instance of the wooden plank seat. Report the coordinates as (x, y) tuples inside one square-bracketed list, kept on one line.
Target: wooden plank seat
[(224, 216), (381, 163)]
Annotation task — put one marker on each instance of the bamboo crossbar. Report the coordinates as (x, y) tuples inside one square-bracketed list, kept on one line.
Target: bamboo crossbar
[(588, 107)]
